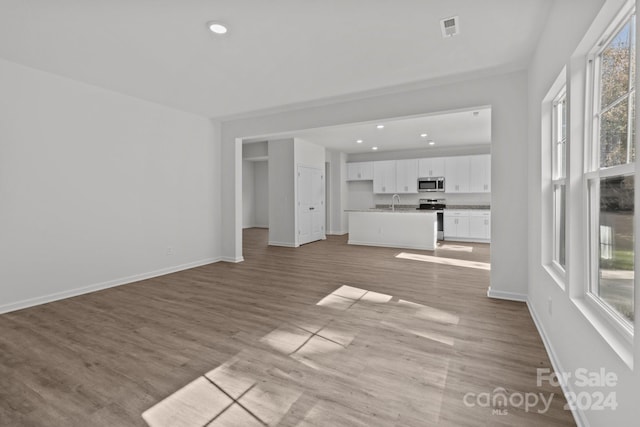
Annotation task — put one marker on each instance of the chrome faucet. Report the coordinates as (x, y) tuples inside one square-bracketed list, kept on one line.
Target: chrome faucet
[(393, 201)]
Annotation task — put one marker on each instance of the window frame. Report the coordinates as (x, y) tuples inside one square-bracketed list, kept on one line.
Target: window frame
[(558, 181), (593, 172)]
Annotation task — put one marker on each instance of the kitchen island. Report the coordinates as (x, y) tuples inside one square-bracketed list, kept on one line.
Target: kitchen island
[(410, 229)]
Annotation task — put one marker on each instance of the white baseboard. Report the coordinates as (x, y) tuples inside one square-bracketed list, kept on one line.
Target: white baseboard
[(464, 239), (578, 415), (390, 245), (510, 296), (19, 305), (283, 244), (231, 259)]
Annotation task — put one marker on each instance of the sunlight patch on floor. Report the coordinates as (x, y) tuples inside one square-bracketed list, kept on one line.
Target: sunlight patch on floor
[(445, 261), (261, 385), (457, 248), (430, 313)]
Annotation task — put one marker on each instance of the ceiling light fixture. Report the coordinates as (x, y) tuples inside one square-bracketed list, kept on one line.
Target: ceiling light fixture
[(217, 28), (374, 148), (432, 143), (423, 135), (359, 141), (476, 113), (380, 126)]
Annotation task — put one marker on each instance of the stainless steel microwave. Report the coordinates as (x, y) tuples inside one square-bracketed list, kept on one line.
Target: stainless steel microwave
[(430, 184)]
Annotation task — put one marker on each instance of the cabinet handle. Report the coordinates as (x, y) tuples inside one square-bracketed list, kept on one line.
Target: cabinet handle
[(384, 188), (486, 186), (360, 176), (406, 188)]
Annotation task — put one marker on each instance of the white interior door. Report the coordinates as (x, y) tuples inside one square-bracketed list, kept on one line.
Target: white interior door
[(311, 213)]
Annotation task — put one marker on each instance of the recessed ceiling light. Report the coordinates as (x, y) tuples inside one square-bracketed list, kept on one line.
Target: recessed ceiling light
[(423, 135), (432, 143), (380, 126), (374, 148), (359, 141), (217, 27), (476, 113)]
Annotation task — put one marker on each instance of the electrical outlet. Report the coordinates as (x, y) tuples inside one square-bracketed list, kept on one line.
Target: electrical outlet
[(170, 250), (549, 306)]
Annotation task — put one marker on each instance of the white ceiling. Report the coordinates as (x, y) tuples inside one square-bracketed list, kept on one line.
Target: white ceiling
[(277, 52), (446, 130)]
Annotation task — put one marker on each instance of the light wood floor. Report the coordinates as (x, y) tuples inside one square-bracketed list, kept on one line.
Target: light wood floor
[(323, 335)]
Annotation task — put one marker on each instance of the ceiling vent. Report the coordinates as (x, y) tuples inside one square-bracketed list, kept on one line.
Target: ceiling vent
[(450, 27)]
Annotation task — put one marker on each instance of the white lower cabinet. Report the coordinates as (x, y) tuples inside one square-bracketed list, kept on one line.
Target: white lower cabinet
[(468, 225), (480, 225), (456, 224)]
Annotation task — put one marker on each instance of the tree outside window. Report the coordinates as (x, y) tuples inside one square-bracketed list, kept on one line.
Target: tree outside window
[(611, 178)]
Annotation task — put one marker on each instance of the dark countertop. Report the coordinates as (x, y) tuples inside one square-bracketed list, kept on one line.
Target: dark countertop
[(398, 210), (479, 207), (398, 206)]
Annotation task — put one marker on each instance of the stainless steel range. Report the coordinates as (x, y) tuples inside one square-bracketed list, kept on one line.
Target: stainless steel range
[(437, 205)]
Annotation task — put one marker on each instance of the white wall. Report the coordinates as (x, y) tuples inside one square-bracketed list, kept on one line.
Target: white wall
[(309, 154), (421, 153), (255, 150), (261, 189), (281, 193), (285, 155), (338, 192), (572, 340), (248, 194), (255, 185), (96, 186), (507, 95), (360, 195)]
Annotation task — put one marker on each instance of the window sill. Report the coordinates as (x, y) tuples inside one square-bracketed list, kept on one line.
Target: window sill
[(613, 334), (556, 273)]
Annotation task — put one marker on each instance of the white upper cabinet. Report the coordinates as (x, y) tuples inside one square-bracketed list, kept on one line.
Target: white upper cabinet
[(384, 177), (456, 174), (431, 167), (480, 174), (407, 176), (463, 174), (361, 171)]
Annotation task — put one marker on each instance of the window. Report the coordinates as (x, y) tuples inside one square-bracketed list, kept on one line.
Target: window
[(558, 177), (610, 175)]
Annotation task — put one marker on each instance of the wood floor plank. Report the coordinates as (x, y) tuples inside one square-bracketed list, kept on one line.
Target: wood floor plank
[(327, 334)]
